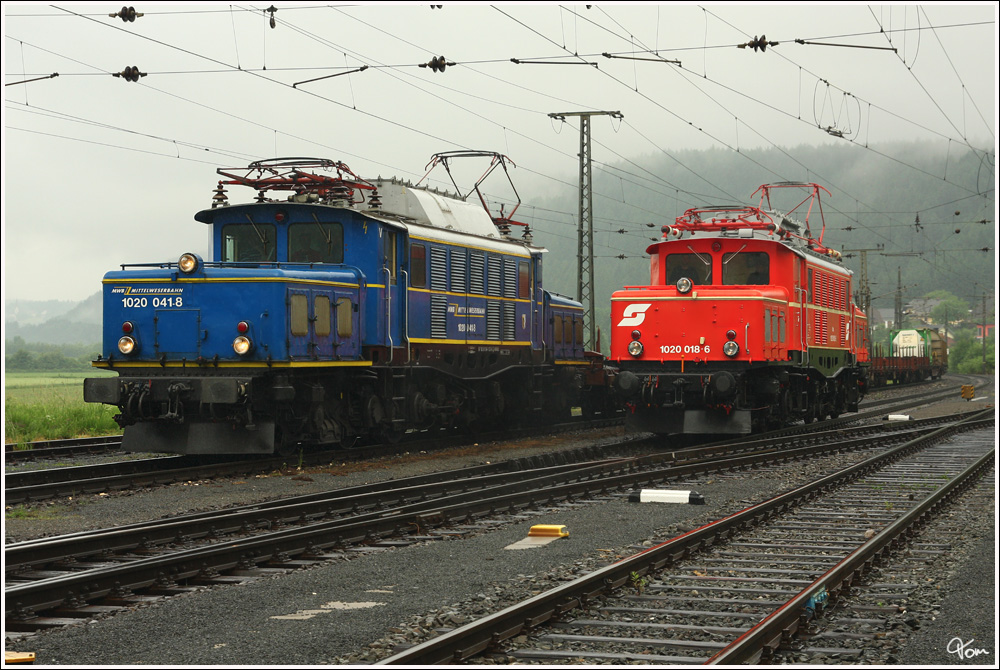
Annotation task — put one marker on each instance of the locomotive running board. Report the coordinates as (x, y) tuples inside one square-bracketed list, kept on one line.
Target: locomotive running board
[(198, 438)]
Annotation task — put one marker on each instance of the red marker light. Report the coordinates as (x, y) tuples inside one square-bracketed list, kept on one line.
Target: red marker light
[(127, 327), (242, 327)]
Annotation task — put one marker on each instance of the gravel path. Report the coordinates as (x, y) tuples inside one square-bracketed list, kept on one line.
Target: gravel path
[(340, 612)]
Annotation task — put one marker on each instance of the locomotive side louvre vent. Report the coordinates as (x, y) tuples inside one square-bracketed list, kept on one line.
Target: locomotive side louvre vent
[(509, 321), (494, 315), (477, 273), (439, 269), (439, 316), (509, 278), (494, 273), (459, 267), (824, 328)]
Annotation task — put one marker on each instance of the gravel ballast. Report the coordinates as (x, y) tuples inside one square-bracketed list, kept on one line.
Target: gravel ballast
[(354, 610)]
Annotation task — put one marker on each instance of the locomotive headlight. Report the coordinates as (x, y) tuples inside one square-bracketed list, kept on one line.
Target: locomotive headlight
[(635, 348), (188, 263), (730, 348), (127, 345), (684, 284), (242, 345)]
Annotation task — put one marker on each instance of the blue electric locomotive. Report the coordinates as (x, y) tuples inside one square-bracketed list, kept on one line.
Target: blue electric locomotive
[(345, 308)]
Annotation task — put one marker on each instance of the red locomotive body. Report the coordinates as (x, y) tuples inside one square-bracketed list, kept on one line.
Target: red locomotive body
[(747, 323)]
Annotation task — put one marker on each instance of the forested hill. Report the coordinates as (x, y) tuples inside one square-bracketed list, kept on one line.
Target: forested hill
[(930, 207)]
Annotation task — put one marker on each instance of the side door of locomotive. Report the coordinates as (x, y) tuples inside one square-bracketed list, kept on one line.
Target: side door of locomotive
[(391, 319), (310, 323), (536, 306)]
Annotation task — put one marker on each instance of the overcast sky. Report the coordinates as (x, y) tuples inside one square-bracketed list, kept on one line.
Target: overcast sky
[(100, 171)]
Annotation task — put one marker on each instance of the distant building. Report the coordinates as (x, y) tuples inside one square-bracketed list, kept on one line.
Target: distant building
[(884, 317), (920, 308)]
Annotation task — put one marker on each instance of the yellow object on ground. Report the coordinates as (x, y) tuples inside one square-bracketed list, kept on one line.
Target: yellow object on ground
[(548, 531), (540, 535), (18, 657)]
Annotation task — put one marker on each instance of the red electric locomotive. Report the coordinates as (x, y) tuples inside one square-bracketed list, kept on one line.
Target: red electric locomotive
[(747, 324)]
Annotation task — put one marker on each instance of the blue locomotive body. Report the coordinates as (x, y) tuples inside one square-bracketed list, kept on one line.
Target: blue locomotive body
[(350, 309)]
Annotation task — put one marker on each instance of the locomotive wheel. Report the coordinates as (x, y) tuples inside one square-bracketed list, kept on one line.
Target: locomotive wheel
[(283, 445), (391, 435), (810, 413)]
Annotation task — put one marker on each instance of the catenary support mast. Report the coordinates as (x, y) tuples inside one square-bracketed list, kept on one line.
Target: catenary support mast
[(585, 233)]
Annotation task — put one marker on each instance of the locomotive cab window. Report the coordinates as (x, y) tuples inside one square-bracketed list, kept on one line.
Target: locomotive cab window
[(249, 243), (391, 262), (745, 268), (316, 243), (418, 266), (696, 267), (523, 280)]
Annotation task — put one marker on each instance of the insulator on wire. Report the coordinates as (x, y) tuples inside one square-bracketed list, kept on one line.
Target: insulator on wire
[(437, 64), (129, 74), (126, 14), (272, 9), (758, 43), (219, 199)]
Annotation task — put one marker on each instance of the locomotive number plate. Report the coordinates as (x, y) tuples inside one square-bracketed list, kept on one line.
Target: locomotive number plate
[(156, 301), (685, 349)]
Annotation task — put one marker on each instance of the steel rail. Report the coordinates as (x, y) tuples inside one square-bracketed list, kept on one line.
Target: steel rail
[(781, 624), (427, 489), (20, 555), (55, 482), (467, 641), (22, 600)]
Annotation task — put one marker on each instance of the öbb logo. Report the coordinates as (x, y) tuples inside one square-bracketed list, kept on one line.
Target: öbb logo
[(634, 314)]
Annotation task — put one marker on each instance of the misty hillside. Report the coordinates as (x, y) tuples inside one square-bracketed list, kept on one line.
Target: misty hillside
[(923, 215), (927, 216), (54, 322)]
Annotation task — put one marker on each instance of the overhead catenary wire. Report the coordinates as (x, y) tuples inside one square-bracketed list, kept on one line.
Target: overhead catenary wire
[(416, 129)]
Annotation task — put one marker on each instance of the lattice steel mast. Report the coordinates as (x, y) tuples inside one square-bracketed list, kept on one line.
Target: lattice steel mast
[(585, 234)]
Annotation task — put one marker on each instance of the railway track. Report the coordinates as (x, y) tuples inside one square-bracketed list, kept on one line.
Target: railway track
[(52, 449), (66, 575), (45, 450), (42, 484), (35, 485), (736, 590)]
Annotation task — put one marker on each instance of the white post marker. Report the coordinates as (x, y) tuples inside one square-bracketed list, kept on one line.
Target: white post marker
[(896, 417), (664, 496)]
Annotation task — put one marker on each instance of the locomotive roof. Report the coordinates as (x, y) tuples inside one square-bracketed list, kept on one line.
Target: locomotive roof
[(441, 215), (794, 245)]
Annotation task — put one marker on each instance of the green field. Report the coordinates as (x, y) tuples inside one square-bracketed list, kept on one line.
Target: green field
[(49, 406)]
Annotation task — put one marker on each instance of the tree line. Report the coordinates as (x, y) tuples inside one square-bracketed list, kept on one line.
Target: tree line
[(21, 356)]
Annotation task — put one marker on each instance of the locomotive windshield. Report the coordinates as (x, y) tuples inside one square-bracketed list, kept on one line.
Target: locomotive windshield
[(747, 267), (696, 267), (249, 243), (316, 243)]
